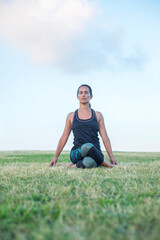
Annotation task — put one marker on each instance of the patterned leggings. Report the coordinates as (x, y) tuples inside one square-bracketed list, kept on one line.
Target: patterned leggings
[(87, 156)]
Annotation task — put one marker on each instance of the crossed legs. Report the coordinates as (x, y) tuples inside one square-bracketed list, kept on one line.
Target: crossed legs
[(88, 156)]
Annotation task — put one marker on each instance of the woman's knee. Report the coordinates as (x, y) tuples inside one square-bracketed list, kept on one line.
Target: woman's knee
[(85, 149), (89, 162)]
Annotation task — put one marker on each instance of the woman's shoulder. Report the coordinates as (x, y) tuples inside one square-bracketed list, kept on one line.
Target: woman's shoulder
[(70, 116), (98, 115)]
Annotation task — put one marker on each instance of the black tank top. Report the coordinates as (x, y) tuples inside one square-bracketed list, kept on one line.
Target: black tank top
[(85, 130)]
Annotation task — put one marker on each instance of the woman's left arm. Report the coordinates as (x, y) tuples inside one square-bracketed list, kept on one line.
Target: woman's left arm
[(105, 138)]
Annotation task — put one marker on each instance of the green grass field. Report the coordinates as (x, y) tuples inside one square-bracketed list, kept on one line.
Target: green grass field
[(38, 202)]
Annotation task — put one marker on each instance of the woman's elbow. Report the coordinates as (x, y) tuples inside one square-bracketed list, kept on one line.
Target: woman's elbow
[(106, 140), (63, 139)]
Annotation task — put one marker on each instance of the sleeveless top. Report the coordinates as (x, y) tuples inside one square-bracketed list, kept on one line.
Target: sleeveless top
[(85, 130)]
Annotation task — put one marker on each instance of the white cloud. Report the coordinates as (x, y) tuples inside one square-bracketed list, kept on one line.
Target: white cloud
[(44, 28), (103, 48), (59, 32)]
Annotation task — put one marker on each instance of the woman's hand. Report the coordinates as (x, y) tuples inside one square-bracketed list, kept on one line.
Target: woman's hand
[(53, 162), (113, 161)]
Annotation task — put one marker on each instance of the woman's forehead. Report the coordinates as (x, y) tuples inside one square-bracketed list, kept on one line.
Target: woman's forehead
[(84, 88)]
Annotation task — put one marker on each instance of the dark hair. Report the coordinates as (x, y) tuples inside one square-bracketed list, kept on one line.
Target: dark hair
[(85, 85), (90, 91)]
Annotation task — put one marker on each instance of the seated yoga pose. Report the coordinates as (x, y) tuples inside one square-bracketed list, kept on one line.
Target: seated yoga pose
[(85, 124)]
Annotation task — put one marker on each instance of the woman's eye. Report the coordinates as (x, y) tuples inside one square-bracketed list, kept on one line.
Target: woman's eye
[(82, 93)]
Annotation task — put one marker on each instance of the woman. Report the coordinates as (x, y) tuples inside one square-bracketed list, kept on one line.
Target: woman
[(85, 124)]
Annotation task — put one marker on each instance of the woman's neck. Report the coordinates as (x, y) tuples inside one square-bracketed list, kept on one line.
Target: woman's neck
[(84, 107)]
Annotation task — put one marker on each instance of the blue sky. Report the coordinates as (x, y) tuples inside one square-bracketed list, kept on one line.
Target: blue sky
[(49, 48)]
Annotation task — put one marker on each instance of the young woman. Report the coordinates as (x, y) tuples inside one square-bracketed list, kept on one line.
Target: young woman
[(85, 124)]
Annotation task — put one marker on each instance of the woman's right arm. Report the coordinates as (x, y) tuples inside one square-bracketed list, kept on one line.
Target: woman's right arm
[(63, 139)]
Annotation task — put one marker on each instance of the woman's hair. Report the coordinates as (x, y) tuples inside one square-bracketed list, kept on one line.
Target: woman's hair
[(90, 91), (85, 85)]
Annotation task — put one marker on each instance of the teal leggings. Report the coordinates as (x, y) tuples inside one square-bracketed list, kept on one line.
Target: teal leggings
[(87, 156)]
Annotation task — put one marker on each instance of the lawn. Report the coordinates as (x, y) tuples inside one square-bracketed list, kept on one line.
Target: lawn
[(38, 202)]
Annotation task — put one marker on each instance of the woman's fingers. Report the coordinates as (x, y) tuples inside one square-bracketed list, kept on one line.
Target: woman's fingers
[(52, 164)]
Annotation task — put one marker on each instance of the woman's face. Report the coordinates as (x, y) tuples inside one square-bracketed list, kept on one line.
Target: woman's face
[(84, 95)]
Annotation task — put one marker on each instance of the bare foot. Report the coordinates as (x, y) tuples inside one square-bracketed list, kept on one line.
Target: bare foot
[(105, 163)]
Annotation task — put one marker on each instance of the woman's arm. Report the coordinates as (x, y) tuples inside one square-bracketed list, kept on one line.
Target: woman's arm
[(105, 138), (63, 139)]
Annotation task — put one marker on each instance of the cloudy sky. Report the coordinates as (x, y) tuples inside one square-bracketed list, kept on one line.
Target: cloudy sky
[(48, 48)]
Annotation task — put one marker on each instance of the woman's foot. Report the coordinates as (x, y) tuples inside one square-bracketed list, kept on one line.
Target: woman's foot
[(105, 163)]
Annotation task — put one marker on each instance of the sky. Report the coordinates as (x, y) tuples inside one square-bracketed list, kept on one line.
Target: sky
[(49, 48)]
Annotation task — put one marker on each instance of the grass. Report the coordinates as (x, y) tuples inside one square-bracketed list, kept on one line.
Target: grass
[(38, 202)]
